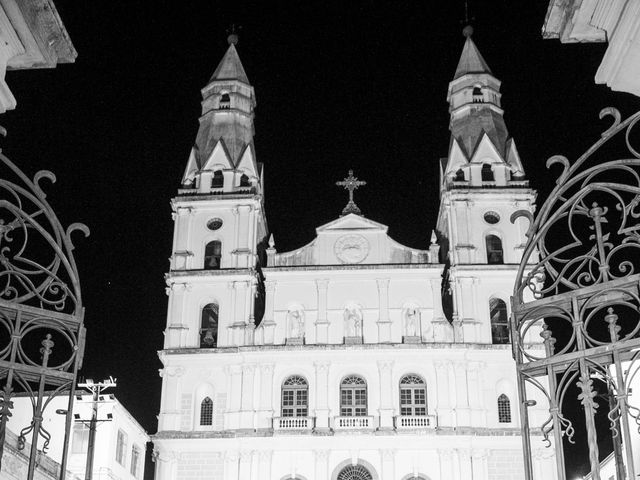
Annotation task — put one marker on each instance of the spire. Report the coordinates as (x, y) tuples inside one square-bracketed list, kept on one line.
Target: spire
[(230, 67), (223, 157), (471, 61), (477, 124)]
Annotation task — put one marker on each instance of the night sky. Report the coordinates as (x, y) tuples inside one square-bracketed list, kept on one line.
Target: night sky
[(340, 85)]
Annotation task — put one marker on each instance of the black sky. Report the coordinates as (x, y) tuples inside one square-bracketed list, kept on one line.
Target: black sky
[(339, 85)]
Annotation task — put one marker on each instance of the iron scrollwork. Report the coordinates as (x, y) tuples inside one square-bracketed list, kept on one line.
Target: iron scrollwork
[(41, 313), (578, 285)]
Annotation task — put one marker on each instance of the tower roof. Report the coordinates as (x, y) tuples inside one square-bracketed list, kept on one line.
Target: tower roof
[(471, 60), (230, 67)]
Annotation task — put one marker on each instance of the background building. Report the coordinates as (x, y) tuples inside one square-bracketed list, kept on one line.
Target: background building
[(349, 357), (121, 442)]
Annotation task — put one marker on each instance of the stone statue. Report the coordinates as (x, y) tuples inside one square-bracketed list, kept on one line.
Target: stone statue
[(353, 322), (296, 323), (411, 322)]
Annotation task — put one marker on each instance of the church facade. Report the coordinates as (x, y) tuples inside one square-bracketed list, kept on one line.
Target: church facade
[(353, 357)]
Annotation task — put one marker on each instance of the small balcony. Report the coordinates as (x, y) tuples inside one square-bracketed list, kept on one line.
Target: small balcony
[(415, 422), (353, 423), (287, 424)]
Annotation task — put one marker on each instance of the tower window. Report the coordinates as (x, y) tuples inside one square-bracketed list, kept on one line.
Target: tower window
[(135, 461), (459, 176), (121, 448), (353, 397), (504, 409), (209, 326), (413, 396), (206, 412), (225, 102), (295, 397), (486, 173), (477, 95), (244, 181), (491, 217), (494, 250), (499, 321), (218, 179), (213, 255)]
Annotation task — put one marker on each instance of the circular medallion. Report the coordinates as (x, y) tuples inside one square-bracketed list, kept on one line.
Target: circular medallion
[(491, 217), (214, 224), (351, 248)]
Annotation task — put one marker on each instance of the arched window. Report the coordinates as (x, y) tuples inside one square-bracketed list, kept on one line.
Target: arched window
[(459, 176), (295, 397), (225, 102), (354, 472), (218, 179), (212, 255), (413, 396), (206, 412), (486, 173), (244, 181), (494, 250), (209, 326), (477, 95), (499, 321), (504, 409), (353, 397)]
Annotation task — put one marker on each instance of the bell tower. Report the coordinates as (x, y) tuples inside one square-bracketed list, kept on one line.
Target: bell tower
[(482, 183), (220, 226)]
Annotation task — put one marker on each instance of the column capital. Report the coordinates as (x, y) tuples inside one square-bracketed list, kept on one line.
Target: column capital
[(267, 369), (321, 454), (322, 367), (270, 285), (387, 454), (385, 365), (245, 455), (383, 283), (322, 283), (265, 455), (480, 453), (248, 368)]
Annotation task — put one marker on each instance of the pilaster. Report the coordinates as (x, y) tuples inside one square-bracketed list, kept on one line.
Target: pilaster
[(443, 407), (385, 369), (268, 324), (387, 459), (322, 396), (177, 332), (182, 256), (321, 464), (384, 323), (234, 387), (322, 324), (248, 381), (462, 395), (480, 464), (244, 469), (231, 466), (265, 405)]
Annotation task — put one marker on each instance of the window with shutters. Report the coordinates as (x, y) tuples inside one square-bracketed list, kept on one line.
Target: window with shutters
[(353, 397), (295, 397), (413, 396)]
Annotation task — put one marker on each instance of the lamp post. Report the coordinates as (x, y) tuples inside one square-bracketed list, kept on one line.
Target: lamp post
[(95, 388)]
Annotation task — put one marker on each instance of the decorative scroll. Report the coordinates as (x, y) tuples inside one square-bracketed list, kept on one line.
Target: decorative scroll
[(41, 313), (578, 287)]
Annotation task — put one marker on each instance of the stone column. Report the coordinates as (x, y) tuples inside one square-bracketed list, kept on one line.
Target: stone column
[(322, 464), (462, 396), (387, 459), (443, 407), (480, 465), (246, 413), (386, 395), (268, 324), (384, 323), (243, 252), (182, 257), (265, 392), (240, 294), (170, 415), (464, 460), (231, 467), (264, 464), (322, 323), (475, 395), (244, 470), (234, 382), (176, 334), (446, 467), (322, 396)]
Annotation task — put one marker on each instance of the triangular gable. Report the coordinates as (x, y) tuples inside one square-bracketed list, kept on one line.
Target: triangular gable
[(247, 163), (191, 169), (351, 222), (484, 149), (457, 158), (218, 159), (513, 159)]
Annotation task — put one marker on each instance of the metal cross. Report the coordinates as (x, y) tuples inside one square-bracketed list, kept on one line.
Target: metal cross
[(351, 183)]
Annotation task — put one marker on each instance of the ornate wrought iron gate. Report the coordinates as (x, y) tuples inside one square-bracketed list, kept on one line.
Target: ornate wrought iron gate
[(41, 314), (583, 293)]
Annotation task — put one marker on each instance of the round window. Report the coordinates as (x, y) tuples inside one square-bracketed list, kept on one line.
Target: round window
[(214, 224), (491, 217)]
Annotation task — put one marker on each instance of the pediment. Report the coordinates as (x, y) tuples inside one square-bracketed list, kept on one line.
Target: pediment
[(486, 152), (218, 160), (352, 222)]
